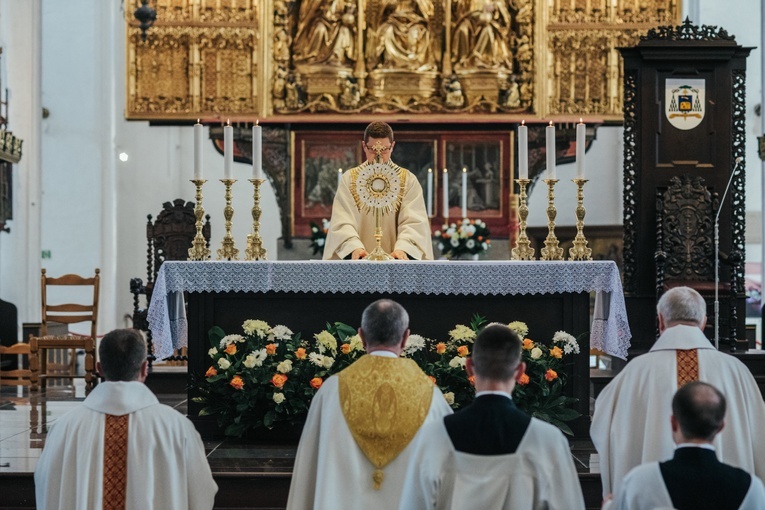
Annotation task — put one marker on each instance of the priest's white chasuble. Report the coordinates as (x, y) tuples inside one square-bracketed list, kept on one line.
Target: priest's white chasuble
[(361, 427), (83, 463), (539, 475), (630, 425), (407, 229)]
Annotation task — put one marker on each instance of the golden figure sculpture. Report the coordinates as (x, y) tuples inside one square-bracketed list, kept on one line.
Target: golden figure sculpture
[(402, 39), (482, 34), (325, 33)]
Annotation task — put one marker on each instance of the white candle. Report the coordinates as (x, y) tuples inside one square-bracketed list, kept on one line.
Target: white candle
[(257, 151), (198, 133), (339, 177), (580, 146), (446, 193), (464, 192), (550, 139), (228, 151), (523, 151), (430, 192)]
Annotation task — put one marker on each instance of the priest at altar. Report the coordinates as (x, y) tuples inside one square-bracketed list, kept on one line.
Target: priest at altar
[(364, 422), (405, 229), (629, 425)]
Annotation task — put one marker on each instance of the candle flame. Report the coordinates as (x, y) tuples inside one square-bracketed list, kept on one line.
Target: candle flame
[(257, 122), (430, 170), (445, 170), (228, 122), (339, 170), (464, 169), (551, 123), (580, 121), (198, 121), (523, 123)]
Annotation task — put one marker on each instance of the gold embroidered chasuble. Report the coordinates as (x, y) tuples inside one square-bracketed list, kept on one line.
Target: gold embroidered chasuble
[(384, 402)]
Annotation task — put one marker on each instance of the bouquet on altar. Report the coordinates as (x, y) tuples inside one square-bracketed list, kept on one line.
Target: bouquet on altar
[(470, 237), (319, 236), (269, 375)]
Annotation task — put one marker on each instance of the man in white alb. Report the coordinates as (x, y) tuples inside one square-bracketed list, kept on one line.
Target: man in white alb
[(406, 232), (490, 454), (364, 421), (628, 425)]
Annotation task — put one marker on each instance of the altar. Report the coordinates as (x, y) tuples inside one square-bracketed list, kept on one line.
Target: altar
[(547, 296)]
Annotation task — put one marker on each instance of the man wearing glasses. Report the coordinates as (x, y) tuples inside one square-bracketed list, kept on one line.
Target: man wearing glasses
[(406, 231)]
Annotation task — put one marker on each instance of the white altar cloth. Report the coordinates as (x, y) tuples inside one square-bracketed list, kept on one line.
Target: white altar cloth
[(609, 332)]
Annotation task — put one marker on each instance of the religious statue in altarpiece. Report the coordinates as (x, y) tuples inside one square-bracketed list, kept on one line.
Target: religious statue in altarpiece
[(326, 33), (402, 38), (482, 35)]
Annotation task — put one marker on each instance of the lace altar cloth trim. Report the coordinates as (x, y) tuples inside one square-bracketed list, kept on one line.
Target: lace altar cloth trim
[(503, 278)]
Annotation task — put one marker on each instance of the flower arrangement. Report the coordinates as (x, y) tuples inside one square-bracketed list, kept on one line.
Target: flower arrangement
[(319, 236), (471, 237), (269, 374)]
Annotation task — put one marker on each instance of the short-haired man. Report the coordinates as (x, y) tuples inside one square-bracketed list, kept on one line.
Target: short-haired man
[(364, 421), (490, 454), (693, 479), (406, 232), (121, 448), (629, 413)]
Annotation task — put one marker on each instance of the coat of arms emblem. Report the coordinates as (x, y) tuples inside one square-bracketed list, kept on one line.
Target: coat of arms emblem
[(684, 102)]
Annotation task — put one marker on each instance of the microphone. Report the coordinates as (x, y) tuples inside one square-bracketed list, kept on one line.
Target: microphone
[(717, 257)]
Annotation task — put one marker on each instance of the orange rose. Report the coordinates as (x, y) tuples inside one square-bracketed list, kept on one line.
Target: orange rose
[(237, 382), (300, 353), (278, 380), (471, 380), (551, 375), (480, 238), (345, 348), (211, 372), (432, 379), (556, 352), (271, 349), (528, 344), (316, 383), (462, 350), (230, 349), (524, 380), (440, 347)]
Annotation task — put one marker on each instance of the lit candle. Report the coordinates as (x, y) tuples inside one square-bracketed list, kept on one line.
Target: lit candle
[(446, 193), (430, 192), (580, 146), (550, 139), (464, 192), (198, 133), (228, 151), (523, 151), (339, 177), (257, 151)]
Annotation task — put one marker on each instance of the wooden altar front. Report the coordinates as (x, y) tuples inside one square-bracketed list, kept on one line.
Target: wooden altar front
[(304, 296)]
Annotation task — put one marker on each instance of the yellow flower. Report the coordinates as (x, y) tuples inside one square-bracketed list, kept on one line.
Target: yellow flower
[(528, 344), (211, 372), (440, 347), (461, 332), (551, 375), (230, 349), (524, 380), (270, 349), (237, 383), (462, 350), (279, 398), (536, 353), (449, 397), (326, 342), (520, 328), (278, 380), (556, 352), (300, 353)]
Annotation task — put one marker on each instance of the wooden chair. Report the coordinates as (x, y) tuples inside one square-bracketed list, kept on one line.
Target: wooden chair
[(67, 313), (19, 376)]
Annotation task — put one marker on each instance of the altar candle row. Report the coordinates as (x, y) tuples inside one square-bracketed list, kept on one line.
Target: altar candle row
[(228, 151), (523, 150)]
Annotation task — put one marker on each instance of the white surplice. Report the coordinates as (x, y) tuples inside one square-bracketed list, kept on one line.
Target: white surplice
[(644, 489), (539, 475), (331, 471), (630, 425), (167, 467), (408, 229)]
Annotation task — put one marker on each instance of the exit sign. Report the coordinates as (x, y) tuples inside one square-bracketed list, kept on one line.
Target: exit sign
[(46, 254)]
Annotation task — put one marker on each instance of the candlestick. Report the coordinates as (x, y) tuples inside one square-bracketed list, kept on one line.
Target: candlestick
[(228, 151), (523, 151), (257, 151), (445, 184), (198, 133), (523, 249), (550, 144), (430, 193), (464, 192), (199, 250), (551, 251), (580, 251), (255, 250), (227, 250), (580, 146)]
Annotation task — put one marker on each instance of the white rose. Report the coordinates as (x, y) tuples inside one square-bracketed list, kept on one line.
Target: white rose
[(328, 361), (440, 246), (536, 353), (320, 242), (279, 398), (458, 361), (314, 230), (437, 233), (212, 352), (470, 243), (449, 396), (284, 367), (223, 364)]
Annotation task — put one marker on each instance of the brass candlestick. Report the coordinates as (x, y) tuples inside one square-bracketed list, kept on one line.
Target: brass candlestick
[(227, 251), (378, 253), (580, 251), (199, 250), (255, 250), (551, 251), (523, 249)]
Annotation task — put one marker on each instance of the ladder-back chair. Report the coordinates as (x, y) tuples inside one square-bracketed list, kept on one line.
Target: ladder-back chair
[(19, 376)]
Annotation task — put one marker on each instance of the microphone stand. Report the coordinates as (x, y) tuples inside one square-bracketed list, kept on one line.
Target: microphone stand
[(717, 257)]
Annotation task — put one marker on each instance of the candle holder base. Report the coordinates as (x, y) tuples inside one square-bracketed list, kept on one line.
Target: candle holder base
[(378, 254), (552, 250)]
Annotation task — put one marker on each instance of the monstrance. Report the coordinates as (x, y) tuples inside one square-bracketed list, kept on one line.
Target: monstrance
[(378, 188)]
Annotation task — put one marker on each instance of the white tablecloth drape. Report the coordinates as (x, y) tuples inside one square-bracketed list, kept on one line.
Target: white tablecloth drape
[(609, 332)]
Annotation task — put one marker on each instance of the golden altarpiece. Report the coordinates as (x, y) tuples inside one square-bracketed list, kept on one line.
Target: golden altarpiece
[(312, 68)]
